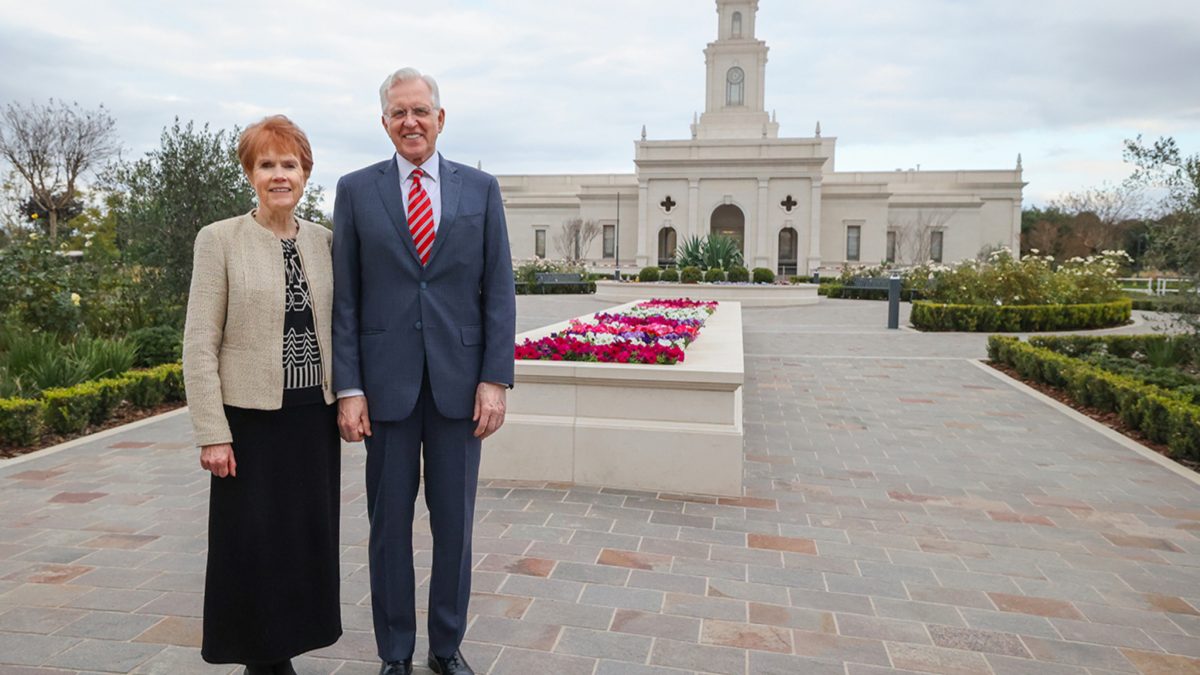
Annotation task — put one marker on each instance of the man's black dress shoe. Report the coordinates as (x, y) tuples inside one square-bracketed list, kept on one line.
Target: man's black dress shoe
[(396, 668), (451, 665)]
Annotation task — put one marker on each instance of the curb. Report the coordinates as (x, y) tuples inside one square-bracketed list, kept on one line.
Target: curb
[(55, 449), (1117, 437)]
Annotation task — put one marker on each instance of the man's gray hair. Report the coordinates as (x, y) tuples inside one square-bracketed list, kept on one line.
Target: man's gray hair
[(404, 75)]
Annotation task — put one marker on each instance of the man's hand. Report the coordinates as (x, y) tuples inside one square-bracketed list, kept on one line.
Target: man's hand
[(489, 408), (219, 460), (353, 422)]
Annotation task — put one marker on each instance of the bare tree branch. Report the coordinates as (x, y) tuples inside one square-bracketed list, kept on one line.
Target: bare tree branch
[(574, 238), (51, 146), (914, 234)]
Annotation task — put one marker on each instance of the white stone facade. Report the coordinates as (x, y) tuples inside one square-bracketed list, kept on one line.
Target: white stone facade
[(781, 197)]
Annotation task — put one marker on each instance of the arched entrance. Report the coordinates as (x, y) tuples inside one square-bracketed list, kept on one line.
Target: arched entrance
[(729, 221), (788, 250), (666, 247)]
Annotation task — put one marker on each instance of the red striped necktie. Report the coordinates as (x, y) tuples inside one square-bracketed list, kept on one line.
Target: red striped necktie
[(420, 216)]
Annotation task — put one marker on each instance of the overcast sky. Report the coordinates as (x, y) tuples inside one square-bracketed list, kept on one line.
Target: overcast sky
[(559, 86)]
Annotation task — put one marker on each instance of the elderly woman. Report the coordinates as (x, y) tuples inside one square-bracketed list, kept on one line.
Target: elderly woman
[(256, 360)]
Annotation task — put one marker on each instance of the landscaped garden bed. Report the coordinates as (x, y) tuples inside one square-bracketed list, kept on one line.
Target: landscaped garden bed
[(656, 422), (654, 331), (1150, 383)]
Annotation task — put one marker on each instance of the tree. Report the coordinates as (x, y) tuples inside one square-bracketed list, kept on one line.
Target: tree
[(914, 234), (163, 199), (1101, 216), (51, 146), (575, 237), (1046, 231), (1174, 238)]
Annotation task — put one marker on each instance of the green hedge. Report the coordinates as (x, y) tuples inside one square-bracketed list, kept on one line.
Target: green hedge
[(670, 274), (762, 275), (1117, 345), (836, 290), (738, 274), (1018, 318), (67, 410), (648, 274), (524, 288), (714, 274), (691, 275), (1161, 414), (20, 420)]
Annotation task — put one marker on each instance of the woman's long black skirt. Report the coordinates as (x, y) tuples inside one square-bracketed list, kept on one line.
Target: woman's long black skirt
[(271, 588)]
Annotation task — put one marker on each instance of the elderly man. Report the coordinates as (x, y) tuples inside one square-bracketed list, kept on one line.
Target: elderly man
[(424, 320)]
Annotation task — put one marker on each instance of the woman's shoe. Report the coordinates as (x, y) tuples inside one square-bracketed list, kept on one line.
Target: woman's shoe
[(284, 668)]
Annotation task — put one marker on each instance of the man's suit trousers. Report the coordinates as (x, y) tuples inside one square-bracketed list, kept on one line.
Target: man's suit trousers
[(451, 460)]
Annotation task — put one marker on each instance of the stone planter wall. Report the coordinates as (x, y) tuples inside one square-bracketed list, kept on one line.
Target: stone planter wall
[(749, 295), (647, 427)]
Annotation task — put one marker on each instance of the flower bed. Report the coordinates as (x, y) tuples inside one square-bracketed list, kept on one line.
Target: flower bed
[(651, 332), (637, 426)]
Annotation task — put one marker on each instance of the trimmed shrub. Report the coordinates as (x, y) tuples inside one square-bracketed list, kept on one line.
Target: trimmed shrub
[(648, 274), (156, 345), (70, 409), (738, 274), (670, 274), (153, 386), (1163, 415), (762, 275), (20, 420), (691, 275), (714, 275), (1014, 318), (109, 394)]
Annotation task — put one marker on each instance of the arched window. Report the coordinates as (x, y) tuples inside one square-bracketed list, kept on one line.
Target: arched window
[(788, 250), (737, 25), (735, 87), (666, 247)]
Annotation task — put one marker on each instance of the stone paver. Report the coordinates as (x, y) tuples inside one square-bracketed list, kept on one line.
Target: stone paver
[(903, 511)]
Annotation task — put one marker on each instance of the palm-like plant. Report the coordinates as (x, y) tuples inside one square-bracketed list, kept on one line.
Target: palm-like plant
[(690, 253), (721, 252)]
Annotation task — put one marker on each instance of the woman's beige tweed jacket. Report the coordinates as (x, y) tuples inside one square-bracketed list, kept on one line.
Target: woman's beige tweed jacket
[(233, 339)]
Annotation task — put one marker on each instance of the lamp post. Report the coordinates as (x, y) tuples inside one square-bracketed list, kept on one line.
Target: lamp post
[(617, 241)]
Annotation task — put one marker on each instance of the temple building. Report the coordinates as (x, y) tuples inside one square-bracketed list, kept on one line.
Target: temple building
[(782, 199)]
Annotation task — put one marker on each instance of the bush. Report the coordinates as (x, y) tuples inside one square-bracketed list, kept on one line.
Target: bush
[(104, 358), (738, 274), (762, 275), (1013, 318), (714, 275), (153, 386), (1030, 280), (670, 274), (1164, 416), (20, 421), (110, 392), (648, 274), (691, 275), (156, 345), (70, 409)]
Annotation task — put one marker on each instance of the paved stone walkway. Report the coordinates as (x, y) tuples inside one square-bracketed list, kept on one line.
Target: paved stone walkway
[(905, 511)]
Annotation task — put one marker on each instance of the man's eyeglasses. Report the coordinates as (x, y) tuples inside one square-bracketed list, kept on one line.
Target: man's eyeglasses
[(419, 113)]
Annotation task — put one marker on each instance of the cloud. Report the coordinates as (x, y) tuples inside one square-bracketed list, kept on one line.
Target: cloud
[(548, 87)]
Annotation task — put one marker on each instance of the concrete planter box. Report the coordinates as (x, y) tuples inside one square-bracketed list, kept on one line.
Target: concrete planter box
[(749, 295), (647, 427)]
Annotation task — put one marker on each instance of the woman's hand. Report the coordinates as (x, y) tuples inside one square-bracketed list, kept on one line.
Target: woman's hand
[(219, 460)]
